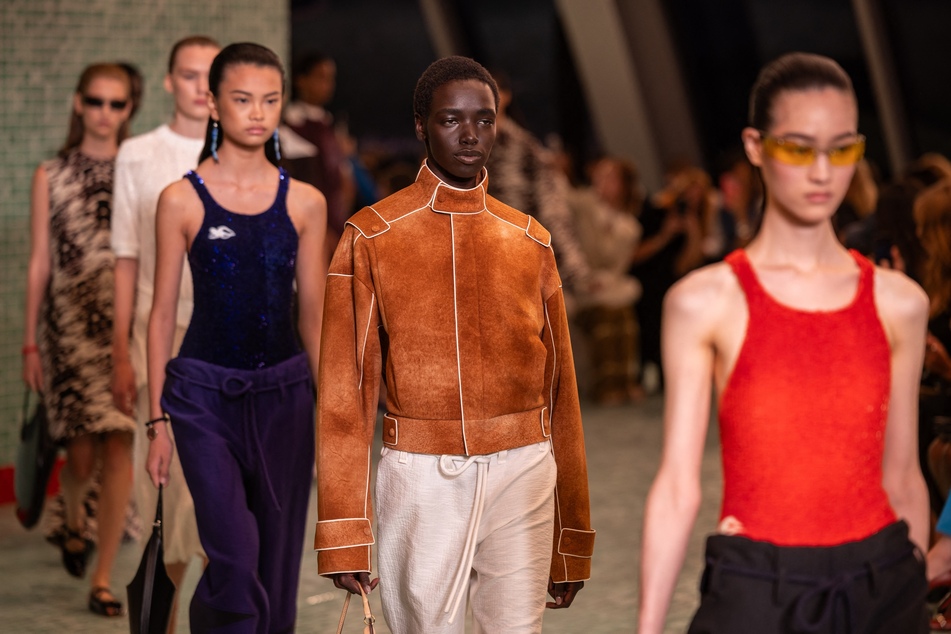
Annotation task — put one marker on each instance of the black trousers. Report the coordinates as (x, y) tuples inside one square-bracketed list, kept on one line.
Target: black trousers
[(876, 585)]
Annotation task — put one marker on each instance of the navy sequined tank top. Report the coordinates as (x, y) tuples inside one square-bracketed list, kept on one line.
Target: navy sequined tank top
[(243, 270)]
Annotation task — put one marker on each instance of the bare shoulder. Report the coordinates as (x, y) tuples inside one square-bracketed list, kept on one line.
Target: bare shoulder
[(902, 306), (39, 174), (704, 294), (180, 206), (179, 194), (306, 197), (898, 296)]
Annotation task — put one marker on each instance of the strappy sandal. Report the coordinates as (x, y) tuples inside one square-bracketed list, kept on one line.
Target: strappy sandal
[(75, 560), (104, 603), (941, 621)]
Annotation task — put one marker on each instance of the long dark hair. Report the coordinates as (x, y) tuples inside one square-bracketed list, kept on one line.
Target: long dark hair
[(94, 71), (232, 55)]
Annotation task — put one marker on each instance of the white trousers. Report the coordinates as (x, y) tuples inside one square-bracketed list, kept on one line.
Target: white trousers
[(451, 528)]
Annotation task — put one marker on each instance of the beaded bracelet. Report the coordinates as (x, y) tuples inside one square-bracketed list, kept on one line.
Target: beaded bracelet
[(150, 425)]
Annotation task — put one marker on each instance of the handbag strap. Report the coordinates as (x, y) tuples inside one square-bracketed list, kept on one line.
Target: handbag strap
[(158, 511), (26, 404), (368, 617)]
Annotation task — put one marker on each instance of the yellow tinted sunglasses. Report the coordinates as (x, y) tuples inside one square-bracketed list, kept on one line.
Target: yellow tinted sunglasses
[(792, 153)]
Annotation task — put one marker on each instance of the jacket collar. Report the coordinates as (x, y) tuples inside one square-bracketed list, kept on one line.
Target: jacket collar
[(446, 199)]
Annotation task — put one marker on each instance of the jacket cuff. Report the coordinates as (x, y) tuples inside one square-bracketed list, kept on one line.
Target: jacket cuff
[(576, 543), (343, 533), (343, 545), (571, 560), (332, 562)]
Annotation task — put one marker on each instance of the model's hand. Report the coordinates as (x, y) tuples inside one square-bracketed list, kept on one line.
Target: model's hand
[(160, 455), (123, 387), (562, 593), (352, 581), (33, 371)]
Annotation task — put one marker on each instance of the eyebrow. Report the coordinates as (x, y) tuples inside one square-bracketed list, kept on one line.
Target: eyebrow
[(812, 139), (245, 92), (457, 111)]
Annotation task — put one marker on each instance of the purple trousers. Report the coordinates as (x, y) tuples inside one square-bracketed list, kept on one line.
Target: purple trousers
[(246, 443)]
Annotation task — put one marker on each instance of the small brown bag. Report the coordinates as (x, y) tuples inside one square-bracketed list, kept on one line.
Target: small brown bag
[(368, 618)]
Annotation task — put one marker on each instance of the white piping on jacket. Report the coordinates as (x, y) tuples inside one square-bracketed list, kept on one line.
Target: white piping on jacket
[(366, 335), (455, 313)]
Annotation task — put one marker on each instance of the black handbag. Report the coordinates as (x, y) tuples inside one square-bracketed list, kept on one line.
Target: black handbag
[(151, 592), (34, 463)]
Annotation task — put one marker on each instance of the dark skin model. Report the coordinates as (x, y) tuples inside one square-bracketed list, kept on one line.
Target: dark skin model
[(459, 133)]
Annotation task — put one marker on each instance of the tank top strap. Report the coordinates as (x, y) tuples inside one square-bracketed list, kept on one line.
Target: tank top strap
[(203, 192), (280, 200), (865, 295), (743, 270)]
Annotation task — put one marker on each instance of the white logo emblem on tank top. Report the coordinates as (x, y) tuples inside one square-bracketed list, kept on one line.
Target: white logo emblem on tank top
[(221, 233)]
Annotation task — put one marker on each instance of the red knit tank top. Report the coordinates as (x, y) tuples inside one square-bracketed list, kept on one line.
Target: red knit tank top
[(802, 419)]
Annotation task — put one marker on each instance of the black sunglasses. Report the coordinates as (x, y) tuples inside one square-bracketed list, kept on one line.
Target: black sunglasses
[(96, 102)]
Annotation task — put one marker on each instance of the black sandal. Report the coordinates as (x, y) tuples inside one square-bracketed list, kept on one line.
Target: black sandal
[(75, 560), (104, 603)]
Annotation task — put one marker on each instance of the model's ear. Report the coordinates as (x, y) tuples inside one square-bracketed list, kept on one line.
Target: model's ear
[(420, 127), (167, 83), (213, 107), (78, 104), (753, 145)]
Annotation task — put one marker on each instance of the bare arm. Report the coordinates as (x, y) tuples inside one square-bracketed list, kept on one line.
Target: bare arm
[(176, 207), (903, 307), (308, 210), (123, 376), (674, 497), (124, 239), (38, 275)]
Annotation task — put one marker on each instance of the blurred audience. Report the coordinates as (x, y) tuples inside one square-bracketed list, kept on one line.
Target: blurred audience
[(741, 197), (673, 222), (311, 149), (524, 175), (605, 218)]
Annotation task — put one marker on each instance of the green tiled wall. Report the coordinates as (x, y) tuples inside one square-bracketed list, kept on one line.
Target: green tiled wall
[(44, 45)]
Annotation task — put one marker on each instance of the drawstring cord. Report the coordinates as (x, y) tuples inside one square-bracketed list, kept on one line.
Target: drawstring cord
[(449, 468), (235, 388)]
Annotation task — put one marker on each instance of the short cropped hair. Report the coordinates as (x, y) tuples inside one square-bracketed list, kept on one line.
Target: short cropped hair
[(443, 71)]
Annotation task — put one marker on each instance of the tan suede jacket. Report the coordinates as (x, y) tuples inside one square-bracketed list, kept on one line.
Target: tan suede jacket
[(458, 296)]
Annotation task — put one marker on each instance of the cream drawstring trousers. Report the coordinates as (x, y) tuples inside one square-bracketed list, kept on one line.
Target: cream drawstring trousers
[(452, 527)]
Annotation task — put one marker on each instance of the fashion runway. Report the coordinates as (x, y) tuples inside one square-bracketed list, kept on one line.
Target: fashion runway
[(623, 445)]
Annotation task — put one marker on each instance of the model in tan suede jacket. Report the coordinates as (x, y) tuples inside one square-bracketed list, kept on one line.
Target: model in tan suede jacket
[(477, 358)]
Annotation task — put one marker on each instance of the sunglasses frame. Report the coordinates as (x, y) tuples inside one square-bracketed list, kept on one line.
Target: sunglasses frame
[(116, 105), (772, 146)]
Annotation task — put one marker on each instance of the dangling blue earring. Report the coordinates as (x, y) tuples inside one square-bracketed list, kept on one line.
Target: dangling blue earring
[(214, 140), (277, 145)]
